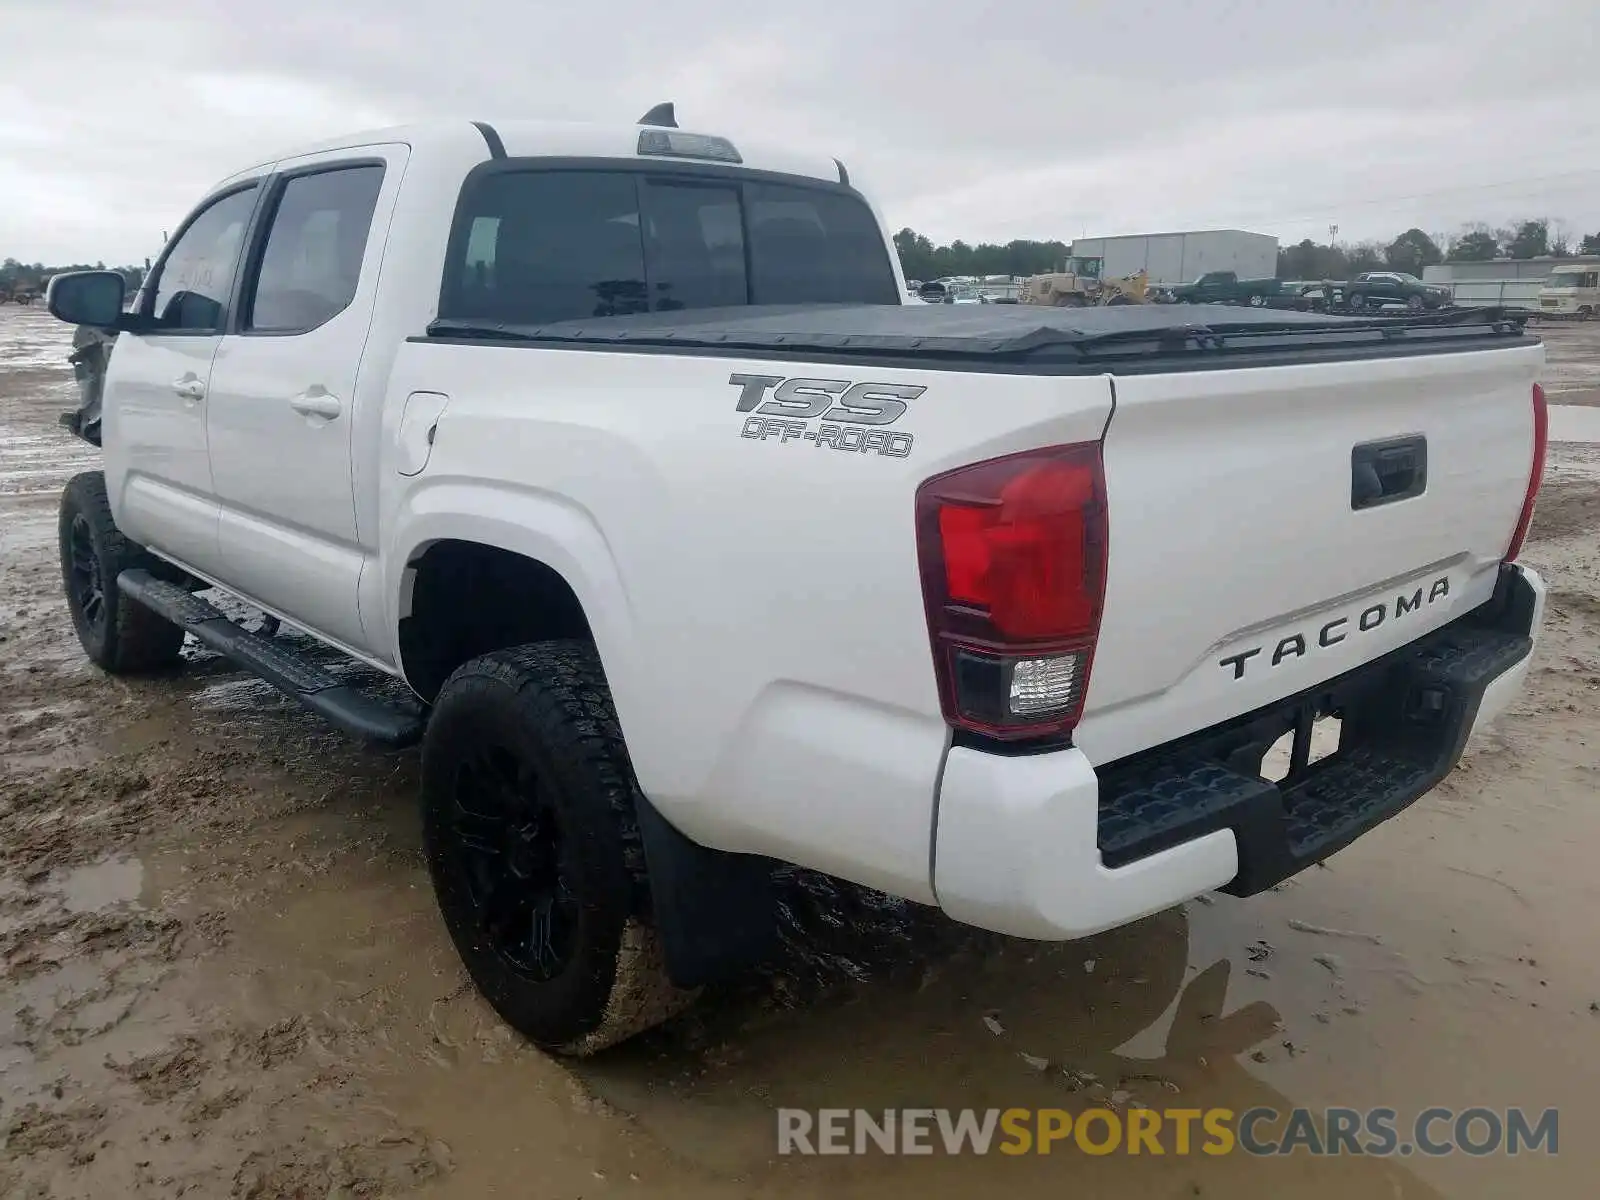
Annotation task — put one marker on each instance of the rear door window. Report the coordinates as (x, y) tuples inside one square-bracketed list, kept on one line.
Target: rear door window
[(311, 264), (538, 246)]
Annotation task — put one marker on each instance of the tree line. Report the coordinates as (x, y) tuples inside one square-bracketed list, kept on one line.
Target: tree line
[(1411, 251), (18, 276)]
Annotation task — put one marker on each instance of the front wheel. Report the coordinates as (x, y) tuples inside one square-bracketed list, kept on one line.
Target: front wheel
[(1414, 303), (1258, 301), (1356, 302), (532, 842), (118, 635)]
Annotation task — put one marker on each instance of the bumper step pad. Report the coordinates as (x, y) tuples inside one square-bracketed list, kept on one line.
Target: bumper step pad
[(1404, 719)]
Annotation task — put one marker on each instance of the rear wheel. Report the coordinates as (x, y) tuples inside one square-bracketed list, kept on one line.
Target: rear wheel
[(118, 635), (1258, 301), (531, 838)]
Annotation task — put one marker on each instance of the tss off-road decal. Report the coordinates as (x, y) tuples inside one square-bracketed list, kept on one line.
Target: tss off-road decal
[(834, 413)]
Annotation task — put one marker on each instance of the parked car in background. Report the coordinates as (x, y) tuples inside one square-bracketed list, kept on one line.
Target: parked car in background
[(1291, 293), (1223, 287), (1571, 292), (1374, 289), (941, 291)]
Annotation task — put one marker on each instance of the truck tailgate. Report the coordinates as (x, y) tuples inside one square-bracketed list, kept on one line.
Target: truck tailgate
[(1264, 534)]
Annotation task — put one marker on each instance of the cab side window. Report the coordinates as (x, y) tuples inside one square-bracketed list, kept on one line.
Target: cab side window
[(196, 277), (311, 263)]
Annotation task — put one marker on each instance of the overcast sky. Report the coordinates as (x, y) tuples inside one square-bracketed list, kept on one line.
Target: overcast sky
[(1028, 118)]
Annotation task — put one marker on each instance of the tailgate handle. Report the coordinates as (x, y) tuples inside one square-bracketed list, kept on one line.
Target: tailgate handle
[(1387, 471)]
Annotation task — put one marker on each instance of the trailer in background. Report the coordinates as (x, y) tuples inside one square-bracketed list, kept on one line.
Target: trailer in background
[(1503, 282), (1173, 258)]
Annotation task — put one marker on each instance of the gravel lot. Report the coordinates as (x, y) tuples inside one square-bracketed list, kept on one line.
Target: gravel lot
[(1572, 374), (221, 971)]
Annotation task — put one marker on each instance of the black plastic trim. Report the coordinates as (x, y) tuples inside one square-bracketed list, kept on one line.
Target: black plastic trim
[(992, 364), (661, 116), (716, 912), (355, 712), (1405, 719), (491, 138), (1388, 471)]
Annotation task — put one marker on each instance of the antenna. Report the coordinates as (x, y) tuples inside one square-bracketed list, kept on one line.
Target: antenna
[(661, 115)]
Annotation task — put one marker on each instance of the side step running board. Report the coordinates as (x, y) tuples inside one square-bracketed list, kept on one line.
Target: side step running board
[(341, 705)]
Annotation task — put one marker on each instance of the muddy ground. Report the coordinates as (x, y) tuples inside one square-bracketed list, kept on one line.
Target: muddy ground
[(1572, 374), (222, 974)]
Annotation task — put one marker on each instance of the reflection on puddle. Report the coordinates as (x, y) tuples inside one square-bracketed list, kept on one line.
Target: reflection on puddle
[(237, 694), (1008, 1024), (69, 892), (99, 885)]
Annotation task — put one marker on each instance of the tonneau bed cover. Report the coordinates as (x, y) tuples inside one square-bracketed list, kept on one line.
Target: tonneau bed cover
[(1047, 340)]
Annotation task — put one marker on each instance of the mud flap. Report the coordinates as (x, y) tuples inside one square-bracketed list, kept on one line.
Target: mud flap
[(716, 912)]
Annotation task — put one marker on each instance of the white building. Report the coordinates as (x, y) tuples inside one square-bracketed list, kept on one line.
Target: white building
[(1183, 257), (1508, 282)]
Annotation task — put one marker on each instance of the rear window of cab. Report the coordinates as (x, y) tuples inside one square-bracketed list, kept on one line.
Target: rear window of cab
[(538, 245)]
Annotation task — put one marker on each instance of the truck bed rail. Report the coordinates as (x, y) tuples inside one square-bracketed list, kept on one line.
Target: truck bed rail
[(1125, 338)]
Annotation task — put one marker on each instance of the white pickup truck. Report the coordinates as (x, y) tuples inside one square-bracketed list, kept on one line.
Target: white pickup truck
[(703, 551)]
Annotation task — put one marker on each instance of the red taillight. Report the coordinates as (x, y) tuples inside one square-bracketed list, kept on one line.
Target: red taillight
[(1013, 555), (1541, 439)]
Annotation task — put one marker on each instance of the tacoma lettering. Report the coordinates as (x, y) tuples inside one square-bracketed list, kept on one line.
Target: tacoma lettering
[(1331, 633)]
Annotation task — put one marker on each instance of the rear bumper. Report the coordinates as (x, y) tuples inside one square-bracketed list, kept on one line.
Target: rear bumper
[(1044, 846)]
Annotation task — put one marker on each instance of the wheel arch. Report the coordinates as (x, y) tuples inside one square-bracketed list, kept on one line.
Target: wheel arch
[(543, 541)]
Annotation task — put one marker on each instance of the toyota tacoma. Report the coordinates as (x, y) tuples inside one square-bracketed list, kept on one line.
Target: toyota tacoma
[(701, 552)]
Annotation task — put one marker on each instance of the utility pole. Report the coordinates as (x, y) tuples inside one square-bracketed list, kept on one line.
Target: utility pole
[(1333, 235)]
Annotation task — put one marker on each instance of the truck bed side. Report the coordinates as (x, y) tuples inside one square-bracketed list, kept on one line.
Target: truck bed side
[(751, 580)]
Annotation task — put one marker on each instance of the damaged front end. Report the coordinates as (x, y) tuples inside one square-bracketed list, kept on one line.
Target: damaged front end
[(91, 353)]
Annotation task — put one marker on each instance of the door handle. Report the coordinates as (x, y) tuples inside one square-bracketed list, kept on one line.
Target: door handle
[(317, 402), (1383, 472), (190, 388)]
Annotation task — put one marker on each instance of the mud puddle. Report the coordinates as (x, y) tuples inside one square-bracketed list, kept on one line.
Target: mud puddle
[(221, 971)]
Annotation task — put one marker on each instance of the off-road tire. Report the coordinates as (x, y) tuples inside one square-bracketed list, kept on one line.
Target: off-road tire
[(119, 636), (548, 705)]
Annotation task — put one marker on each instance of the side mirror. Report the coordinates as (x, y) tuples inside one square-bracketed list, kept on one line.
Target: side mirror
[(92, 298)]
